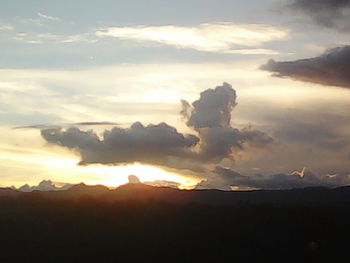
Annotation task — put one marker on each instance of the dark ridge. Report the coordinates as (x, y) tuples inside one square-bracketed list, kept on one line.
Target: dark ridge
[(142, 223), (311, 196)]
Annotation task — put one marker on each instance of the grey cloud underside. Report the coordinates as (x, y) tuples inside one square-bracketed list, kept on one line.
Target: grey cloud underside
[(155, 144), (301, 179), (327, 13), (332, 68), (162, 144)]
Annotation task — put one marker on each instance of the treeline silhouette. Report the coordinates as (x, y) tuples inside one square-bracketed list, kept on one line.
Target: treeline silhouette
[(86, 224)]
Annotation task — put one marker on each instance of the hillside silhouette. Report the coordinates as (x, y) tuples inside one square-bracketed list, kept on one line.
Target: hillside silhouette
[(142, 223)]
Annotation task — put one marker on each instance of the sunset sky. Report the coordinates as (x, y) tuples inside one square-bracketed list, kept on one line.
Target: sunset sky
[(219, 94)]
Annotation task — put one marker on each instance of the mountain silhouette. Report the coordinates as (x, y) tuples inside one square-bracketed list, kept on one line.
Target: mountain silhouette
[(142, 223), (140, 192)]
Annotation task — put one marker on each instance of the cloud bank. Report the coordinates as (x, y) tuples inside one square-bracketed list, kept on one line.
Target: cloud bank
[(219, 37), (332, 68), (162, 144), (225, 177)]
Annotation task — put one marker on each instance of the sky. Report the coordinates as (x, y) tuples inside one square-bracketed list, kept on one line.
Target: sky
[(220, 94)]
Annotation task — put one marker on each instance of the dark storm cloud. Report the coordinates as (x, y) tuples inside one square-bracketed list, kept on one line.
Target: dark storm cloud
[(332, 68), (305, 178), (154, 144), (327, 13), (162, 144)]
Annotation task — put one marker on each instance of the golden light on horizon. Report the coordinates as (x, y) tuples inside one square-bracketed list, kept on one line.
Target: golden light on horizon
[(34, 163), (113, 176), (66, 170)]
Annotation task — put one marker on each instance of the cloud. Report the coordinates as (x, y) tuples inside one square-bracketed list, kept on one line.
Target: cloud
[(152, 144), (45, 185), (6, 27), (213, 109), (94, 123), (48, 17), (32, 21), (327, 13), (332, 68), (216, 37), (163, 183), (305, 178), (37, 38), (210, 116), (39, 126), (85, 123), (162, 144)]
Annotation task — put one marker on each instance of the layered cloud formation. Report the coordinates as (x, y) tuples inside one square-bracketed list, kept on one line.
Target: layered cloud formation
[(162, 144), (332, 68)]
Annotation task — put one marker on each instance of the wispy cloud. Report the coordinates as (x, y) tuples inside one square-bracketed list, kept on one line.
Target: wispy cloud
[(48, 17), (211, 37), (41, 37), (6, 27)]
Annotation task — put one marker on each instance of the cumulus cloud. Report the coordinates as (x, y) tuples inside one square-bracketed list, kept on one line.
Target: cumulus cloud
[(332, 68), (210, 116), (297, 179), (162, 144), (327, 13), (217, 37), (213, 109)]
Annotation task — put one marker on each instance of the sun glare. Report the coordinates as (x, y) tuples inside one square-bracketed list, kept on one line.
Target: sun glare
[(113, 176), (116, 175)]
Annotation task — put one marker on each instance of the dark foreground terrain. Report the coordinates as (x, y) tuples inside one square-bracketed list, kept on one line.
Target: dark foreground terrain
[(138, 223)]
